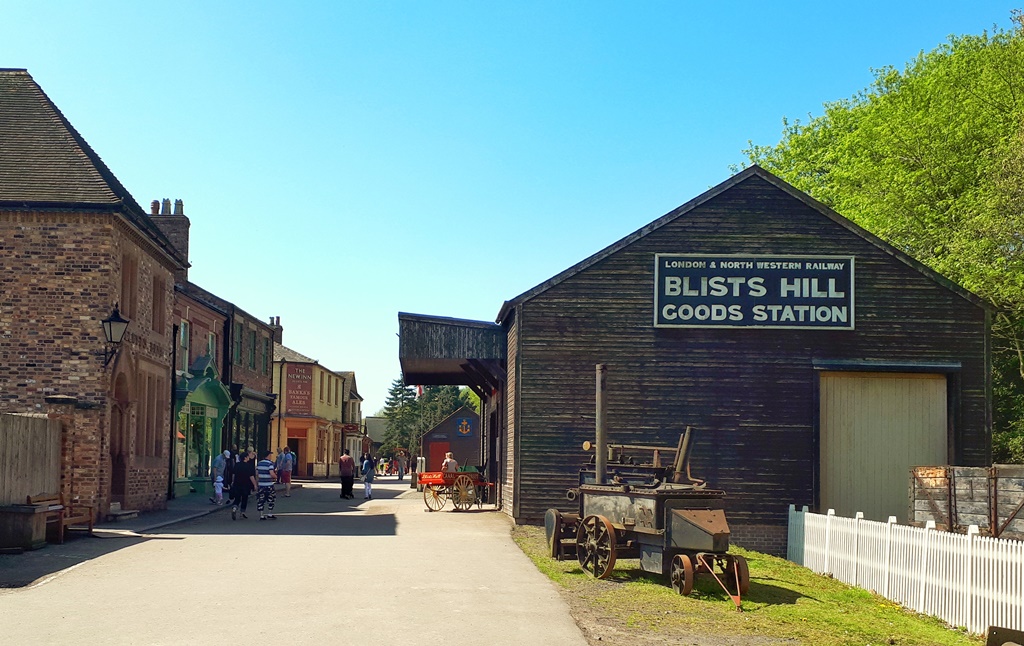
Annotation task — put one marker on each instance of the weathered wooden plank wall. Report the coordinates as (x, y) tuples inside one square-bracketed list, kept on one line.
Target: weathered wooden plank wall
[(29, 457), (975, 492), (749, 393), (508, 494)]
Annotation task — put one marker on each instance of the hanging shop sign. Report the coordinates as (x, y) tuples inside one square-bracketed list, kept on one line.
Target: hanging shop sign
[(299, 391), (792, 292)]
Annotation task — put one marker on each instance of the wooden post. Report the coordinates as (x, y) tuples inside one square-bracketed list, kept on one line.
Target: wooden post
[(602, 439)]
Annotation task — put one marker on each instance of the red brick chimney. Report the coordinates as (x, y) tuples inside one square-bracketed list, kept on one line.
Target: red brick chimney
[(175, 226)]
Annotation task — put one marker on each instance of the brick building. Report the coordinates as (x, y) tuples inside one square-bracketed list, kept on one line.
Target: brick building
[(75, 246), (201, 400), (223, 359), (319, 412)]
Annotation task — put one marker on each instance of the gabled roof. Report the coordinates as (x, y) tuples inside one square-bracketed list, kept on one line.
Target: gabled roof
[(744, 175), (46, 164), (350, 383), (282, 353)]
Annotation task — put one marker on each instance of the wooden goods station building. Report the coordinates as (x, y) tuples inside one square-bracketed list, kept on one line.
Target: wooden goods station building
[(816, 363)]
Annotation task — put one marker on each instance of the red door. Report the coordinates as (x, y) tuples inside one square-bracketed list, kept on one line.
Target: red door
[(436, 456)]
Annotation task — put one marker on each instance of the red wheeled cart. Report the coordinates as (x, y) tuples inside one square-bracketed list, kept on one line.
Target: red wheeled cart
[(463, 488)]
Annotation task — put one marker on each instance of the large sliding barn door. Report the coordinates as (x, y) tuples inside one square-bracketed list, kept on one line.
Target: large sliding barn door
[(874, 428)]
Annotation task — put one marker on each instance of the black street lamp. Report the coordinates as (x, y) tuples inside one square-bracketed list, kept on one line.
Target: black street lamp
[(114, 327)]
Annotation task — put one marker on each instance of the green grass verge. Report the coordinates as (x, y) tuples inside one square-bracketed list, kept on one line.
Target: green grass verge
[(785, 601)]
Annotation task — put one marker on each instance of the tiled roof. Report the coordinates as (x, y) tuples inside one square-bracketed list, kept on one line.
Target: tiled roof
[(45, 163), (282, 353)]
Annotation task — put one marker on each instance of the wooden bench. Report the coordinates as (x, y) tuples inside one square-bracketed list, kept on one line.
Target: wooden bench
[(64, 515)]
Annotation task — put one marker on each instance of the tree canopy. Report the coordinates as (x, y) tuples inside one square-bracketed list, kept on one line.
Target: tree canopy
[(931, 159), (410, 414)]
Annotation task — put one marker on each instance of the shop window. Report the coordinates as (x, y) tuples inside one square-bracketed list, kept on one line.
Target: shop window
[(195, 439)]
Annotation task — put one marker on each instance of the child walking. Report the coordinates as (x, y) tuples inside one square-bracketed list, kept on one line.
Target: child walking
[(218, 490)]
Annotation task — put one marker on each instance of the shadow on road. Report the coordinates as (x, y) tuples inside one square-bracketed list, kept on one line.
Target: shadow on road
[(290, 522), (21, 570)]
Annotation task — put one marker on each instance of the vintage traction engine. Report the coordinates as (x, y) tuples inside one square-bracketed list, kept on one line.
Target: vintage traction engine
[(662, 516)]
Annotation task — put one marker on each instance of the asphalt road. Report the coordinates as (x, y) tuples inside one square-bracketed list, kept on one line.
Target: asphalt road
[(327, 571)]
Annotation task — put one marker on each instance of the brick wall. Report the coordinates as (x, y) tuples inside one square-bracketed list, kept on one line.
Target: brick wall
[(60, 274), (770, 539)]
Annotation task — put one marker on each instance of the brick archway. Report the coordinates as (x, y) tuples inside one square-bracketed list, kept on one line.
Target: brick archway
[(120, 438)]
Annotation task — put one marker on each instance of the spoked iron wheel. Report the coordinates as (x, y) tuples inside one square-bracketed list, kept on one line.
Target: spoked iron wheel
[(463, 493), (738, 569), (553, 532), (434, 497), (595, 546), (682, 574)]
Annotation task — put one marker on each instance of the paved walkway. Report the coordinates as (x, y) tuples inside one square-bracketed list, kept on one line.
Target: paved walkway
[(336, 570)]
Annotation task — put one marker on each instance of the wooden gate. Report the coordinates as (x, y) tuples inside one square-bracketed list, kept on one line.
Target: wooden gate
[(874, 428), (29, 457)]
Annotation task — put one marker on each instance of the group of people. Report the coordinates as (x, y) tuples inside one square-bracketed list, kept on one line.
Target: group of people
[(241, 474), (369, 468), (395, 466), (348, 469)]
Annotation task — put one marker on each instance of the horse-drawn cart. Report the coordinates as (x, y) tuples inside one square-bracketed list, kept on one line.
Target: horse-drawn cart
[(463, 488)]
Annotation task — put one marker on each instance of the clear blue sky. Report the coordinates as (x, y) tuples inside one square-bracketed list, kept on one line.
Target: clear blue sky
[(344, 161)]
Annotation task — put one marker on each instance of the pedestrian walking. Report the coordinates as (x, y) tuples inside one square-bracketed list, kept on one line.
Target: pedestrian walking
[(368, 470), (287, 464), (217, 474), (218, 490), (242, 485), (347, 471), (266, 476)]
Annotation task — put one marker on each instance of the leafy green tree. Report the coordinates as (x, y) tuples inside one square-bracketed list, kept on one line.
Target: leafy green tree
[(400, 414), (410, 416), (931, 159), (469, 398)]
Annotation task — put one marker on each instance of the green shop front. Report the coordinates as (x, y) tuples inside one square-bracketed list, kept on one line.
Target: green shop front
[(201, 404)]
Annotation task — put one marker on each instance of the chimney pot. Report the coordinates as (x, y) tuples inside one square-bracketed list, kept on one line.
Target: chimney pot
[(179, 207), (165, 207), (154, 207)]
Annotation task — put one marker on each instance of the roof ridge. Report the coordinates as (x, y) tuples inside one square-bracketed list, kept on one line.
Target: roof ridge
[(37, 133)]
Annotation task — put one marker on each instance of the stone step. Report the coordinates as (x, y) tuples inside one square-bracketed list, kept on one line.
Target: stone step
[(121, 515)]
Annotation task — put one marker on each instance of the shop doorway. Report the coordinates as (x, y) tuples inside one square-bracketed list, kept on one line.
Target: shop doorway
[(296, 445)]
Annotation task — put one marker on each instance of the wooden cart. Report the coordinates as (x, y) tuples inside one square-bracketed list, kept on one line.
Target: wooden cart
[(463, 488)]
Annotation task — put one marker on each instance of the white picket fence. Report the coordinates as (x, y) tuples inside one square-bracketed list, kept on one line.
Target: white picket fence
[(966, 580)]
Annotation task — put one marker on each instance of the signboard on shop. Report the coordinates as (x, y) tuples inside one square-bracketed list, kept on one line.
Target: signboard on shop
[(299, 392), (792, 292)]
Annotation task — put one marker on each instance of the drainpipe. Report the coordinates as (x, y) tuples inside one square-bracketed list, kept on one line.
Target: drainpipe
[(227, 376), (174, 423), (601, 423), (280, 408)]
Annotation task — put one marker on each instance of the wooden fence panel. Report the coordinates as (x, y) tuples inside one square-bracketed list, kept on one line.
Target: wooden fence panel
[(29, 457)]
